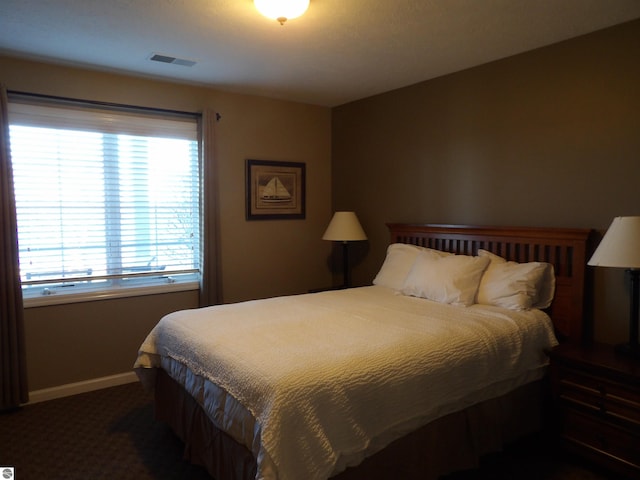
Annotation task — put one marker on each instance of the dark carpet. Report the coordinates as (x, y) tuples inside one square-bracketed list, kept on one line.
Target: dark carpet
[(111, 434)]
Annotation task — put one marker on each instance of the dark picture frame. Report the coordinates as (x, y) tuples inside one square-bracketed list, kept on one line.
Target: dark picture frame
[(275, 190)]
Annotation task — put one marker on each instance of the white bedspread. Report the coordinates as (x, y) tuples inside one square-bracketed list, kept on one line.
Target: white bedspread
[(331, 377)]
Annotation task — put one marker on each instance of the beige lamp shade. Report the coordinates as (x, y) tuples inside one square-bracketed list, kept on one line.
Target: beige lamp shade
[(620, 246), (344, 227)]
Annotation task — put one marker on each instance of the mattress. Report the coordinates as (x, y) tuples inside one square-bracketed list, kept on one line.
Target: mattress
[(312, 384)]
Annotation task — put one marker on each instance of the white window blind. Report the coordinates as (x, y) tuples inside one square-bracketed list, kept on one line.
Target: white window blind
[(106, 198)]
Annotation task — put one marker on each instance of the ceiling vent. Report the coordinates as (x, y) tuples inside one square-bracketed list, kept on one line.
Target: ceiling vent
[(156, 57)]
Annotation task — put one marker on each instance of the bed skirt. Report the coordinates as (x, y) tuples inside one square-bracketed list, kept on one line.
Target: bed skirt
[(451, 443)]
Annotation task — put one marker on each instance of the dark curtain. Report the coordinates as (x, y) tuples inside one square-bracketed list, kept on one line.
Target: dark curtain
[(13, 369), (210, 292)]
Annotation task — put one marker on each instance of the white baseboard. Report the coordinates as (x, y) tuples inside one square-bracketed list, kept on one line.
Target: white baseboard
[(52, 393)]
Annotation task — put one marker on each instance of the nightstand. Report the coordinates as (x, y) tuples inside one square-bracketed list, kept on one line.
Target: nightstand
[(596, 395)]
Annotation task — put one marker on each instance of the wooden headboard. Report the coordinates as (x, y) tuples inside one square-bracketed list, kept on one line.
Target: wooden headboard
[(565, 248)]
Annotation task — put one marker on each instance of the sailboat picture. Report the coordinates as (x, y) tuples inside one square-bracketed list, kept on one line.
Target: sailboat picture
[(275, 190)]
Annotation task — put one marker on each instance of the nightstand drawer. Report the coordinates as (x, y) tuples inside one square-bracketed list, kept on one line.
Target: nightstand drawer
[(614, 443), (609, 399)]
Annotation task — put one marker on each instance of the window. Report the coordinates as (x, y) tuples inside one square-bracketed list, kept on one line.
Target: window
[(107, 199)]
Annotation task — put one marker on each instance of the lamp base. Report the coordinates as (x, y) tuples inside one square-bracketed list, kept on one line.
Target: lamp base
[(628, 350)]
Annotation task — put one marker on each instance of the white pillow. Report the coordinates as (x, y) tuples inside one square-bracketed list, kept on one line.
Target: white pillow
[(546, 289), (450, 279), (513, 285), (398, 262)]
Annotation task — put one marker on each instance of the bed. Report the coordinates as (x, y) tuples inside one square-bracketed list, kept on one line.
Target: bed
[(438, 362)]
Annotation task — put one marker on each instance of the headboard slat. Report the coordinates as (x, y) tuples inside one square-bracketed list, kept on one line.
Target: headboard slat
[(565, 248)]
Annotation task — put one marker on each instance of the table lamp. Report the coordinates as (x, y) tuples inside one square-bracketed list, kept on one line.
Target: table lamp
[(344, 227), (620, 247)]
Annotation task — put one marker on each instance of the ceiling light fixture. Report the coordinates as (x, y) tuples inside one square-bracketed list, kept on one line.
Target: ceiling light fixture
[(281, 10)]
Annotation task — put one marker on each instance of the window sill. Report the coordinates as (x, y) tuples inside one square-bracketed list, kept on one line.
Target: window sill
[(62, 298)]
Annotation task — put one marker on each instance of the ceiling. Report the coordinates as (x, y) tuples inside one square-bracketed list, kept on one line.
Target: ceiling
[(339, 51)]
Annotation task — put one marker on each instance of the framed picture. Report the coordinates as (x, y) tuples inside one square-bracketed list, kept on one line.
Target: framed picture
[(275, 190)]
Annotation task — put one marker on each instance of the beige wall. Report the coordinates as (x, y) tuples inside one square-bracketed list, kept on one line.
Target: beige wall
[(547, 138), (77, 342)]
